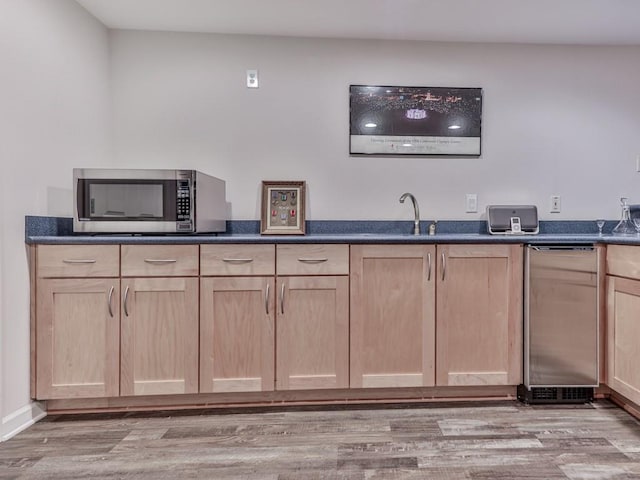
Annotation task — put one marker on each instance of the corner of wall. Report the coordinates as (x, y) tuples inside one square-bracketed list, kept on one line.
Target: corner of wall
[(21, 419)]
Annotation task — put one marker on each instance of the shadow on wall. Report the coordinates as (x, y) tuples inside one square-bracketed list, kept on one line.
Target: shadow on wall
[(59, 202)]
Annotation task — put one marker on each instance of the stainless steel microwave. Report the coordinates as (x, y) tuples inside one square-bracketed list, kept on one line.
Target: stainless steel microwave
[(148, 201)]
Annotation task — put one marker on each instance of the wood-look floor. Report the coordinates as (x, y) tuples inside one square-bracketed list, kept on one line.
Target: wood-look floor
[(491, 440)]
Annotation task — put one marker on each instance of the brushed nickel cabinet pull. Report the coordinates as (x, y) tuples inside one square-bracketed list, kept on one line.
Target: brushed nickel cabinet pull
[(313, 260), (266, 299), (429, 267), (124, 303), (88, 260), (160, 260), (109, 301), (237, 260), (444, 266), (282, 299)]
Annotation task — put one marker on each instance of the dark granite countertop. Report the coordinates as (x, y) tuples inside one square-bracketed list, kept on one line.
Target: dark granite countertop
[(52, 230)]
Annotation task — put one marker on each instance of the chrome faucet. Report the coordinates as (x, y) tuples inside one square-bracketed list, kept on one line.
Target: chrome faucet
[(416, 212)]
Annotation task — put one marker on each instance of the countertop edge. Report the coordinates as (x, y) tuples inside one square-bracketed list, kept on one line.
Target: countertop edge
[(560, 239), (59, 230)]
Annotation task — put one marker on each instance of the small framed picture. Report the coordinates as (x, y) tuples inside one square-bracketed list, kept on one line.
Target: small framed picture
[(282, 208)]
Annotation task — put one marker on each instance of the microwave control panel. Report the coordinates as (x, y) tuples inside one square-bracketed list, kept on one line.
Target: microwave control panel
[(183, 207)]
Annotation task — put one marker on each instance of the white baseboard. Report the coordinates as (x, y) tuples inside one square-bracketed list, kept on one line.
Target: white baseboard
[(21, 419)]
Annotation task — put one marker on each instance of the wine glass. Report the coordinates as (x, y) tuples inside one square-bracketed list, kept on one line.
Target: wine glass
[(636, 222), (600, 224)]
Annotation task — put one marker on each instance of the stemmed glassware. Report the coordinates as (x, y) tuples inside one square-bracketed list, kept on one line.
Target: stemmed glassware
[(636, 222), (600, 224)]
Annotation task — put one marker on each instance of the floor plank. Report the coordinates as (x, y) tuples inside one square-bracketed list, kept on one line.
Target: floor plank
[(488, 440)]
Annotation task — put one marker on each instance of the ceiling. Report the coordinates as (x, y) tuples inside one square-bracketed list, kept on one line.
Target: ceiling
[(586, 22)]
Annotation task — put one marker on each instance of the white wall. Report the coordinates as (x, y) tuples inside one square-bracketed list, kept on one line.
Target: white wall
[(54, 92), (557, 120)]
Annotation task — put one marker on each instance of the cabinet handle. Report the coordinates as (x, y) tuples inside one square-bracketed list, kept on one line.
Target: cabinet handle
[(237, 260), (429, 267), (160, 260), (79, 261), (266, 299), (124, 303), (282, 299), (313, 260), (444, 266), (109, 301)]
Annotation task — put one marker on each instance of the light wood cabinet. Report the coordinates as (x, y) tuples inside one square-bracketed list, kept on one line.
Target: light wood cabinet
[(479, 315), (159, 260), (137, 320), (392, 316), (75, 261), (78, 337), (244, 317), (623, 320), (159, 338), (313, 332), (235, 260), (623, 305), (77, 321), (312, 323), (313, 259), (237, 333), (237, 318)]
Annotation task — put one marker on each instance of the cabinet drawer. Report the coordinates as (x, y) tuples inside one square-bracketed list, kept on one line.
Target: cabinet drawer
[(313, 260), (78, 260), (226, 260), (159, 260), (623, 261)]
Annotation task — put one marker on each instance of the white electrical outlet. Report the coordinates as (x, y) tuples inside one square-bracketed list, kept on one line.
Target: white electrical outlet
[(555, 204), (472, 202), (252, 78)]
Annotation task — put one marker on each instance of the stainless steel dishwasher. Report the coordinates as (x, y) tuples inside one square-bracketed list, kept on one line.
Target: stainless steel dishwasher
[(561, 323)]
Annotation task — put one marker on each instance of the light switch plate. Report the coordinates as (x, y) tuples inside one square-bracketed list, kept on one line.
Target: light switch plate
[(472, 203), (252, 79)]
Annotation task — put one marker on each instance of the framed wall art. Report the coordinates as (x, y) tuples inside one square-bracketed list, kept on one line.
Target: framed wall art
[(283, 208), (387, 120)]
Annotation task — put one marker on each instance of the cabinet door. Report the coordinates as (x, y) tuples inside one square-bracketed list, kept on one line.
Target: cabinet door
[(237, 352), (77, 338), (392, 315), (159, 336), (623, 305), (479, 315), (313, 333)]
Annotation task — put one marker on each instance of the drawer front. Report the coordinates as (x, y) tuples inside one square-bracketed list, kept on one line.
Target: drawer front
[(623, 261), (159, 260), (231, 260), (78, 261), (313, 260)]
